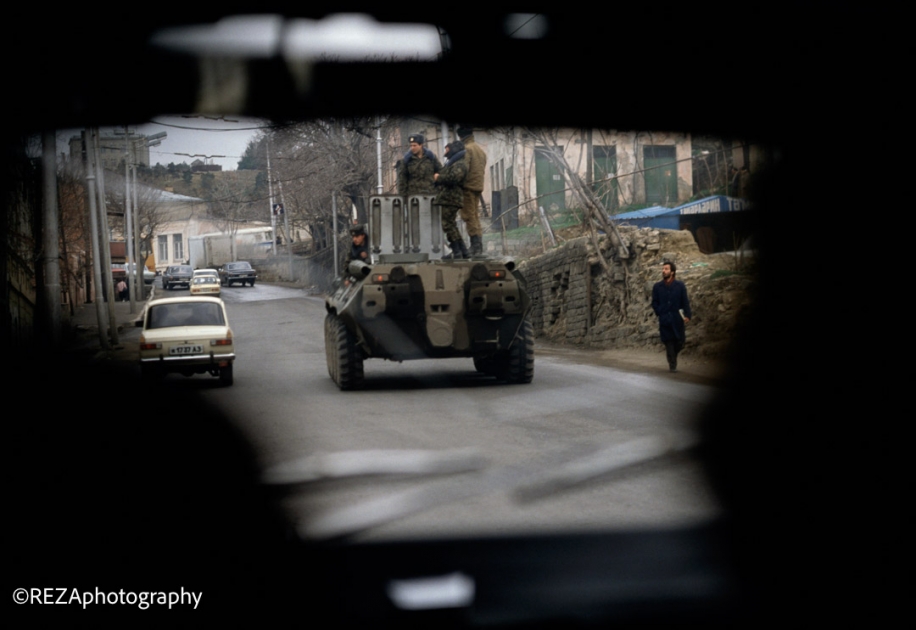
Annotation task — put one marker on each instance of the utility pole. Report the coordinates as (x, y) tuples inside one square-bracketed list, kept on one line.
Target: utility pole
[(101, 316), (153, 140), (378, 153), (105, 240), (50, 236), (270, 193), (289, 249), (128, 231)]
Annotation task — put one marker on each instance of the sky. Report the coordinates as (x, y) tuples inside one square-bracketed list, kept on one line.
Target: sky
[(196, 137), (202, 137)]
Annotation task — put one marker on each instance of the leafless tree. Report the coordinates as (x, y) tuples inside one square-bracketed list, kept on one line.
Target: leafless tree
[(312, 161), (232, 202), (595, 214), (148, 210)]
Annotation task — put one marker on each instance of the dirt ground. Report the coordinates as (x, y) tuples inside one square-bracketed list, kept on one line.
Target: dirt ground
[(691, 368)]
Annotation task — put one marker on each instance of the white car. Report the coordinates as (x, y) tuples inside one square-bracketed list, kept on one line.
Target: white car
[(186, 335), (205, 282)]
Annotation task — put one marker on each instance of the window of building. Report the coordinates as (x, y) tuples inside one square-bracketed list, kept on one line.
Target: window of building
[(163, 248), (177, 247)]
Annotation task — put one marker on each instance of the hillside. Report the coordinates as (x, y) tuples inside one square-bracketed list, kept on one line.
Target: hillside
[(200, 185)]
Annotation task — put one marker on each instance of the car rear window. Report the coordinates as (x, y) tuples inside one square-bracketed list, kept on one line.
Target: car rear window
[(199, 314), (238, 265)]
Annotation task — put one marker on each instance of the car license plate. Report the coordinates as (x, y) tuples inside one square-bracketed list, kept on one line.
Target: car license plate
[(190, 349)]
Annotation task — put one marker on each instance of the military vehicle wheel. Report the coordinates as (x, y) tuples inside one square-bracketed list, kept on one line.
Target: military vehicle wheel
[(345, 358), (517, 365)]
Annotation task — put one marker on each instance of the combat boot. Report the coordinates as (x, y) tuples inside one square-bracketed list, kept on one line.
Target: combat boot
[(458, 250), (462, 248), (476, 246)]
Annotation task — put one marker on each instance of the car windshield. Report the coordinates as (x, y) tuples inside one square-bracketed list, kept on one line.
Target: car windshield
[(185, 314), (206, 279), (444, 442)]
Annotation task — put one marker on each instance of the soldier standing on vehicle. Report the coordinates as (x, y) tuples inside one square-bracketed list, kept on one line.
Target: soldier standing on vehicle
[(418, 169), (670, 303), (473, 186), (451, 195)]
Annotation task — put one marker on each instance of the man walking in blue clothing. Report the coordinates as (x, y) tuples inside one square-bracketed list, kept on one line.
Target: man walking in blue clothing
[(670, 303)]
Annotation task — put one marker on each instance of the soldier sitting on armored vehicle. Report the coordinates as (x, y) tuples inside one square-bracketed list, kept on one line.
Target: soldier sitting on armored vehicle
[(450, 185), (359, 249)]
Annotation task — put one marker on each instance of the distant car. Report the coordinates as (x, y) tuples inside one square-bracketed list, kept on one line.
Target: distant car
[(177, 275), (239, 271), (205, 282), (186, 335), (119, 270)]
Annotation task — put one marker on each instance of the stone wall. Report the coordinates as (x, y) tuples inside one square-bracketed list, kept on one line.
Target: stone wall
[(575, 301)]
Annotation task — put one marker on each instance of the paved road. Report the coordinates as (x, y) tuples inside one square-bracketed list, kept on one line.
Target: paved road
[(584, 446)]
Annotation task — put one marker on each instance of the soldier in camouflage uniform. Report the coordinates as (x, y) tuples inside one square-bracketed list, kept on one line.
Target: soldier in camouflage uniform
[(418, 169), (450, 185)]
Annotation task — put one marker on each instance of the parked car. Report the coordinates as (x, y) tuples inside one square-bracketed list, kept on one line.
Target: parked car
[(119, 270), (205, 282), (177, 275), (239, 271), (186, 335)]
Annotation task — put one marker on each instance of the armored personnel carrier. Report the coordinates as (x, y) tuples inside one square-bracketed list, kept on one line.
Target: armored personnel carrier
[(409, 302)]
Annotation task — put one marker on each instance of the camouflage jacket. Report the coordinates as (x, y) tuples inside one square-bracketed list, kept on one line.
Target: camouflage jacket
[(415, 174), (451, 181)]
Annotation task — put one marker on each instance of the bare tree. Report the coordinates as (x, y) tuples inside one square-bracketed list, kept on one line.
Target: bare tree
[(596, 217), (74, 234), (232, 203), (148, 211), (312, 161)]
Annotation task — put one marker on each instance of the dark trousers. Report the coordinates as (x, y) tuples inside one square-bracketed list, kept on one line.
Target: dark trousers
[(672, 348)]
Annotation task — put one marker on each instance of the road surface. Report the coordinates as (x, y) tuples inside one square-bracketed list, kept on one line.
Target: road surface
[(433, 448)]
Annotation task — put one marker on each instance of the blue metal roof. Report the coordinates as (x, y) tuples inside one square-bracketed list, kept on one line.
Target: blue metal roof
[(668, 218)]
